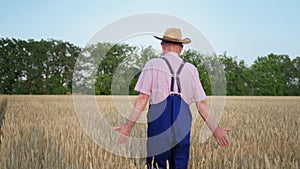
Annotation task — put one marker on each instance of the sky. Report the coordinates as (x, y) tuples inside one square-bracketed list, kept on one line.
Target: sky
[(244, 29)]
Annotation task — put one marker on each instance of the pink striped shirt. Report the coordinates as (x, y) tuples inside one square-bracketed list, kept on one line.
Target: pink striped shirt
[(155, 80)]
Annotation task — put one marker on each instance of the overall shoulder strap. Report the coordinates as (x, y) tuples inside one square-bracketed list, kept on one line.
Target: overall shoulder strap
[(169, 65), (177, 77), (173, 76)]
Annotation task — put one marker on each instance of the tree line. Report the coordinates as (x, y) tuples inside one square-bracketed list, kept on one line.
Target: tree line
[(50, 66)]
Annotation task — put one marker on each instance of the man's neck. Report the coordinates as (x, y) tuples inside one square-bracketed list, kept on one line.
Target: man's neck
[(171, 53)]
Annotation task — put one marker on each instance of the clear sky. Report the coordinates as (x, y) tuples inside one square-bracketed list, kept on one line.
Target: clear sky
[(246, 28)]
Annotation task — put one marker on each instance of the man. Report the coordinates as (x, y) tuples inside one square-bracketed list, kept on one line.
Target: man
[(171, 85)]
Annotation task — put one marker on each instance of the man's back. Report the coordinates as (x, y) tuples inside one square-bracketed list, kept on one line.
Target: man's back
[(155, 80)]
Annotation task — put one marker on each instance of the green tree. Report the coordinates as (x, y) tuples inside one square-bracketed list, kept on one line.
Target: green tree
[(238, 77), (11, 53), (271, 75), (112, 60), (64, 56), (294, 85), (36, 67)]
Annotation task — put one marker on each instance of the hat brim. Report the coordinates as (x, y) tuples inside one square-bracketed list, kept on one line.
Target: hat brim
[(168, 39)]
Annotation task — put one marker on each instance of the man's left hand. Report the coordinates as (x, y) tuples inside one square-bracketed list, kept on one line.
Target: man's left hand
[(221, 136), (125, 131)]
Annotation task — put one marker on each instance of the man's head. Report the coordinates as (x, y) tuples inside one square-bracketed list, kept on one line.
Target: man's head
[(171, 47), (172, 40)]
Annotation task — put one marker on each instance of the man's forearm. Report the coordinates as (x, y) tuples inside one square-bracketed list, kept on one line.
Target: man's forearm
[(206, 115), (139, 107)]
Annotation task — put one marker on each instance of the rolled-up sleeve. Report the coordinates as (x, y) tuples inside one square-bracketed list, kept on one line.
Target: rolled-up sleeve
[(144, 83), (199, 93)]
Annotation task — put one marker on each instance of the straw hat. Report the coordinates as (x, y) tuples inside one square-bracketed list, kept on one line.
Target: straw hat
[(174, 35)]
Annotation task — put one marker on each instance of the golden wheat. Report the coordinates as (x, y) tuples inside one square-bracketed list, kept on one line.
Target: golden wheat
[(44, 132)]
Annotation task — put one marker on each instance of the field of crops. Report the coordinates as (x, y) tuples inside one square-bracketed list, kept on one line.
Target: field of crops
[(44, 132)]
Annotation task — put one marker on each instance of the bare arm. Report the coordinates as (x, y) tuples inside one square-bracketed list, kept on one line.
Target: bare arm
[(125, 129), (218, 132)]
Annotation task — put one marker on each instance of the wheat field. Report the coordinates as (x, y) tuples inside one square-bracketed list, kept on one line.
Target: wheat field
[(44, 132)]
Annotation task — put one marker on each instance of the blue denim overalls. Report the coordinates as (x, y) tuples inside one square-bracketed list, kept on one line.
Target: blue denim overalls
[(169, 124)]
